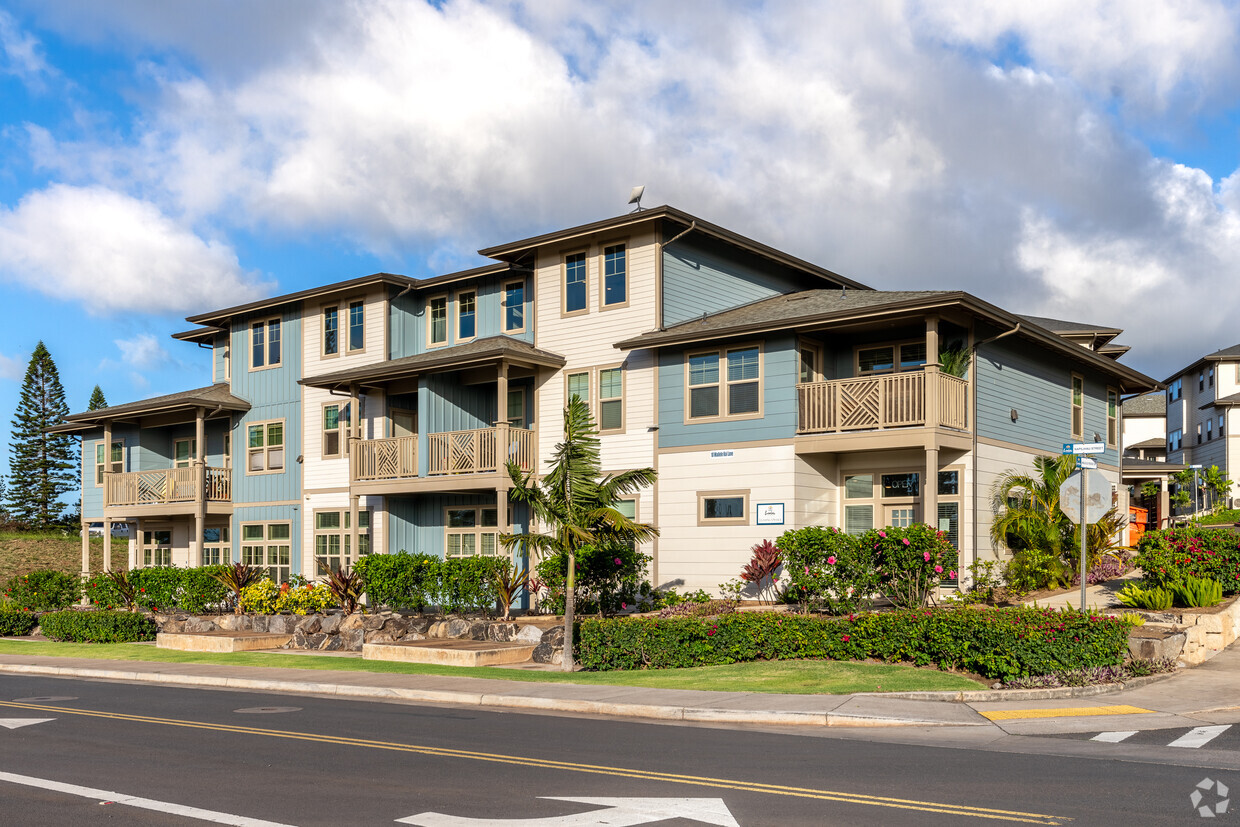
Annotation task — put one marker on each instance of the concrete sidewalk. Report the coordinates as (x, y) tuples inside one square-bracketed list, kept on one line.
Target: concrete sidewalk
[(1206, 693)]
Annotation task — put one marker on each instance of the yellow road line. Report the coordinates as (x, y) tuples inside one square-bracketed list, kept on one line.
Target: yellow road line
[(544, 763), (1064, 712)]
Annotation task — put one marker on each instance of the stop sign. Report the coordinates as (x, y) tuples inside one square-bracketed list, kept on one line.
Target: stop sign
[(1097, 496)]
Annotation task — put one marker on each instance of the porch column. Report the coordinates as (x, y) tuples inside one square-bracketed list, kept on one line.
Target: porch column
[(1164, 504), (135, 546), (200, 487), (107, 477), (353, 509), (85, 548), (930, 489), (501, 418), (932, 413)]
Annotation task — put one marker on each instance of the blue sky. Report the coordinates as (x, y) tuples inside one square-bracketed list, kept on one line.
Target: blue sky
[(1068, 159)]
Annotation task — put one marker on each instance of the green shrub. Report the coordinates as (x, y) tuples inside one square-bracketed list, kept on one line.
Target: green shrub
[(45, 590), (1197, 592), (910, 562), (100, 590), (1032, 570), (167, 588), (827, 569), (1171, 555), (608, 578), (98, 627), (467, 584), (1154, 598), (996, 643), (15, 622), (416, 581)]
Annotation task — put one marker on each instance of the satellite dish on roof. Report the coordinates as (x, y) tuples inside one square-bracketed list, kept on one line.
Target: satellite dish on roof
[(635, 197)]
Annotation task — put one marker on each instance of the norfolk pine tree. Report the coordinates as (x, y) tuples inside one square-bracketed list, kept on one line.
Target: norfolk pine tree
[(96, 400), (42, 466)]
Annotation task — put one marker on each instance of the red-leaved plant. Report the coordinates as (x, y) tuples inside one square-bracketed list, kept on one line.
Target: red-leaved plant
[(767, 558)]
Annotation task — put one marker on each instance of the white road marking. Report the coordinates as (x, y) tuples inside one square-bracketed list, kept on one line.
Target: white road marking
[(14, 723), (619, 812), (134, 801), (1199, 737), (1114, 737)]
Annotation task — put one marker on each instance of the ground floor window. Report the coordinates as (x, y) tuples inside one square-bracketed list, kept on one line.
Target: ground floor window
[(216, 546), (723, 507), (157, 548), (895, 499), (472, 532), (333, 535), (267, 546)]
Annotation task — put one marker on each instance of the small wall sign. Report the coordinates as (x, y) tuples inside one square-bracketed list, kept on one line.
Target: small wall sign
[(722, 454), (770, 513)]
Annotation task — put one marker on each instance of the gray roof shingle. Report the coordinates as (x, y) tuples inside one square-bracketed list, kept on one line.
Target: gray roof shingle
[(1147, 404), (489, 349)]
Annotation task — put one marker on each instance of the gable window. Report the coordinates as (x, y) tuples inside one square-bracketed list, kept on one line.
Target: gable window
[(267, 546), (265, 345), (578, 384), (514, 307), (265, 447), (332, 537), (575, 283), (610, 399), (723, 507), (437, 323), (615, 276), (102, 461), (1112, 416), (471, 532), (1078, 406), (184, 452), (891, 358), (335, 429), (331, 331), (357, 325), (466, 315)]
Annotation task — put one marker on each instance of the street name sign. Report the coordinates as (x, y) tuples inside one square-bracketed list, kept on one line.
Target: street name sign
[(1084, 448)]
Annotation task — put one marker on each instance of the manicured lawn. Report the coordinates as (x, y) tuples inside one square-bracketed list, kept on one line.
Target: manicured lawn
[(788, 677)]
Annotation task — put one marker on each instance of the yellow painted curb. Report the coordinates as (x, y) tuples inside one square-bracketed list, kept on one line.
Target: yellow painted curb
[(1065, 712)]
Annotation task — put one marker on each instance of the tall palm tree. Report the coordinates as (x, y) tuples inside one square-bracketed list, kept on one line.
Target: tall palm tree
[(575, 506)]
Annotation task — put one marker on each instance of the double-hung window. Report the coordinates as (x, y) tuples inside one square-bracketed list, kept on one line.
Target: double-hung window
[(331, 331), (615, 276), (216, 547), (357, 325), (575, 283), (611, 399), (514, 307), (471, 532), (725, 384), (335, 429), (1078, 406), (1112, 416), (265, 345), (103, 462), (466, 315), (332, 536), (578, 384), (267, 546), (437, 321), (1209, 429), (265, 447), (184, 452)]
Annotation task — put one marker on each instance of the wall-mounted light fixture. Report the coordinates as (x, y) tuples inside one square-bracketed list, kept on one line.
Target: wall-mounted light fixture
[(1015, 416)]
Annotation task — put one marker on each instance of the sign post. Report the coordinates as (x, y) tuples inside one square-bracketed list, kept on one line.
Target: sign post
[(1084, 496)]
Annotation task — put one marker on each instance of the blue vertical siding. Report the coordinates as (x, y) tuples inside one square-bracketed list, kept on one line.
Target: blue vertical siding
[(779, 401), (701, 278), (416, 524), (1037, 384), (408, 314)]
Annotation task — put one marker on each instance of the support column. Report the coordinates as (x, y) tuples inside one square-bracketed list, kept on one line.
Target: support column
[(502, 439), (930, 489), (1164, 504), (355, 433), (85, 548), (200, 493), (930, 485), (353, 510), (107, 477), (135, 546)]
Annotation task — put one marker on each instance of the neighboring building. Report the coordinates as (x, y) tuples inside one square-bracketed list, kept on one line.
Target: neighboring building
[(1201, 418), (376, 414), (1145, 427)]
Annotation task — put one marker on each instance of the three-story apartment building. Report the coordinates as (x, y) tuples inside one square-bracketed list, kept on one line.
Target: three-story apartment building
[(378, 414)]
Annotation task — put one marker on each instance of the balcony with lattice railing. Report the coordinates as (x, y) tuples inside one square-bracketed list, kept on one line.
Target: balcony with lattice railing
[(449, 453), (889, 401)]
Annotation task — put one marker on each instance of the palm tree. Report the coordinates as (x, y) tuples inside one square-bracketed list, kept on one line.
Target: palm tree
[(1216, 484), (575, 505)]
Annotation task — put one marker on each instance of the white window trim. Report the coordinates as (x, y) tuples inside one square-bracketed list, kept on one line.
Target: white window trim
[(447, 321), (456, 314), (504, 306), (602, 274)]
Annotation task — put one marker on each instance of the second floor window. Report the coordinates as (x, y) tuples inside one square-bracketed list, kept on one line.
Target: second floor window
[(331, 331), (615, 276), (265, 447), (265, 344), (610, 399), (357, 325), (1078, 406), (184, 452), (725, 384), (579, 386), (514, 307), (1112, 417), (102, 461), (438, 321), (466, 315), (335, 426), (889, 358), (1221, 419), (1209, 429), (575, 283)]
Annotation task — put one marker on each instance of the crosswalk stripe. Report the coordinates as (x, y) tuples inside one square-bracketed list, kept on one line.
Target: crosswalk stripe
[(1199, 737), (1114, 737)]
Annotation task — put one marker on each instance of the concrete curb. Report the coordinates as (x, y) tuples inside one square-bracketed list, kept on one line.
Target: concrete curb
[(526, 702), (992, 695)]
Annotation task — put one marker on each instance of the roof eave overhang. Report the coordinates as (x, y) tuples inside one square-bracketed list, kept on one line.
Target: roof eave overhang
[(201, 334), (94, 419), (379, 376), (217, 316)]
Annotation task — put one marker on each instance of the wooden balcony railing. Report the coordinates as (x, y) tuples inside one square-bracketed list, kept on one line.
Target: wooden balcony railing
[(166, 486), (894, 400), (393, 458), (482, 449)]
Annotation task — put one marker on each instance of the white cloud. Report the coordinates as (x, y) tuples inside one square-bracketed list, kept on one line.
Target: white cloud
[(20, 54), (114, 252), (12, 367), (143, 351)]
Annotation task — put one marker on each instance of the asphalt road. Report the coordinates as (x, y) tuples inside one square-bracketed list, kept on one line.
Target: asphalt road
[(243, 758)]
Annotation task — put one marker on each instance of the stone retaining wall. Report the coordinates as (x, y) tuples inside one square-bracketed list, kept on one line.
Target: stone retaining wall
[(336, 632), (1203, 632)]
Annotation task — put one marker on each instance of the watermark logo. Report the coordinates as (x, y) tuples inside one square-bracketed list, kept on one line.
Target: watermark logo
[(1208, 791)]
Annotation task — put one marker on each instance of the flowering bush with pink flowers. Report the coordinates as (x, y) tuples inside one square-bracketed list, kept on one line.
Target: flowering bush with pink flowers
[(910, 562), (826, 570)]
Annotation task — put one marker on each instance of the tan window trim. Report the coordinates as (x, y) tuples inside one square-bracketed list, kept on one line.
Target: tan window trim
[(600, 399), (602, 274), (342, 447), (477, 531), (1077, 433), (108, 461), (266, 543), (816, 373), (585, 307), (348, 326), (589, 375), (1112, 435), (724, 385), (266, 449), (895, 346), (504, 306), (521, 419), (343, 532), (456, 314), (323, 354), (447, 321), (703, 496), (266, 325)]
